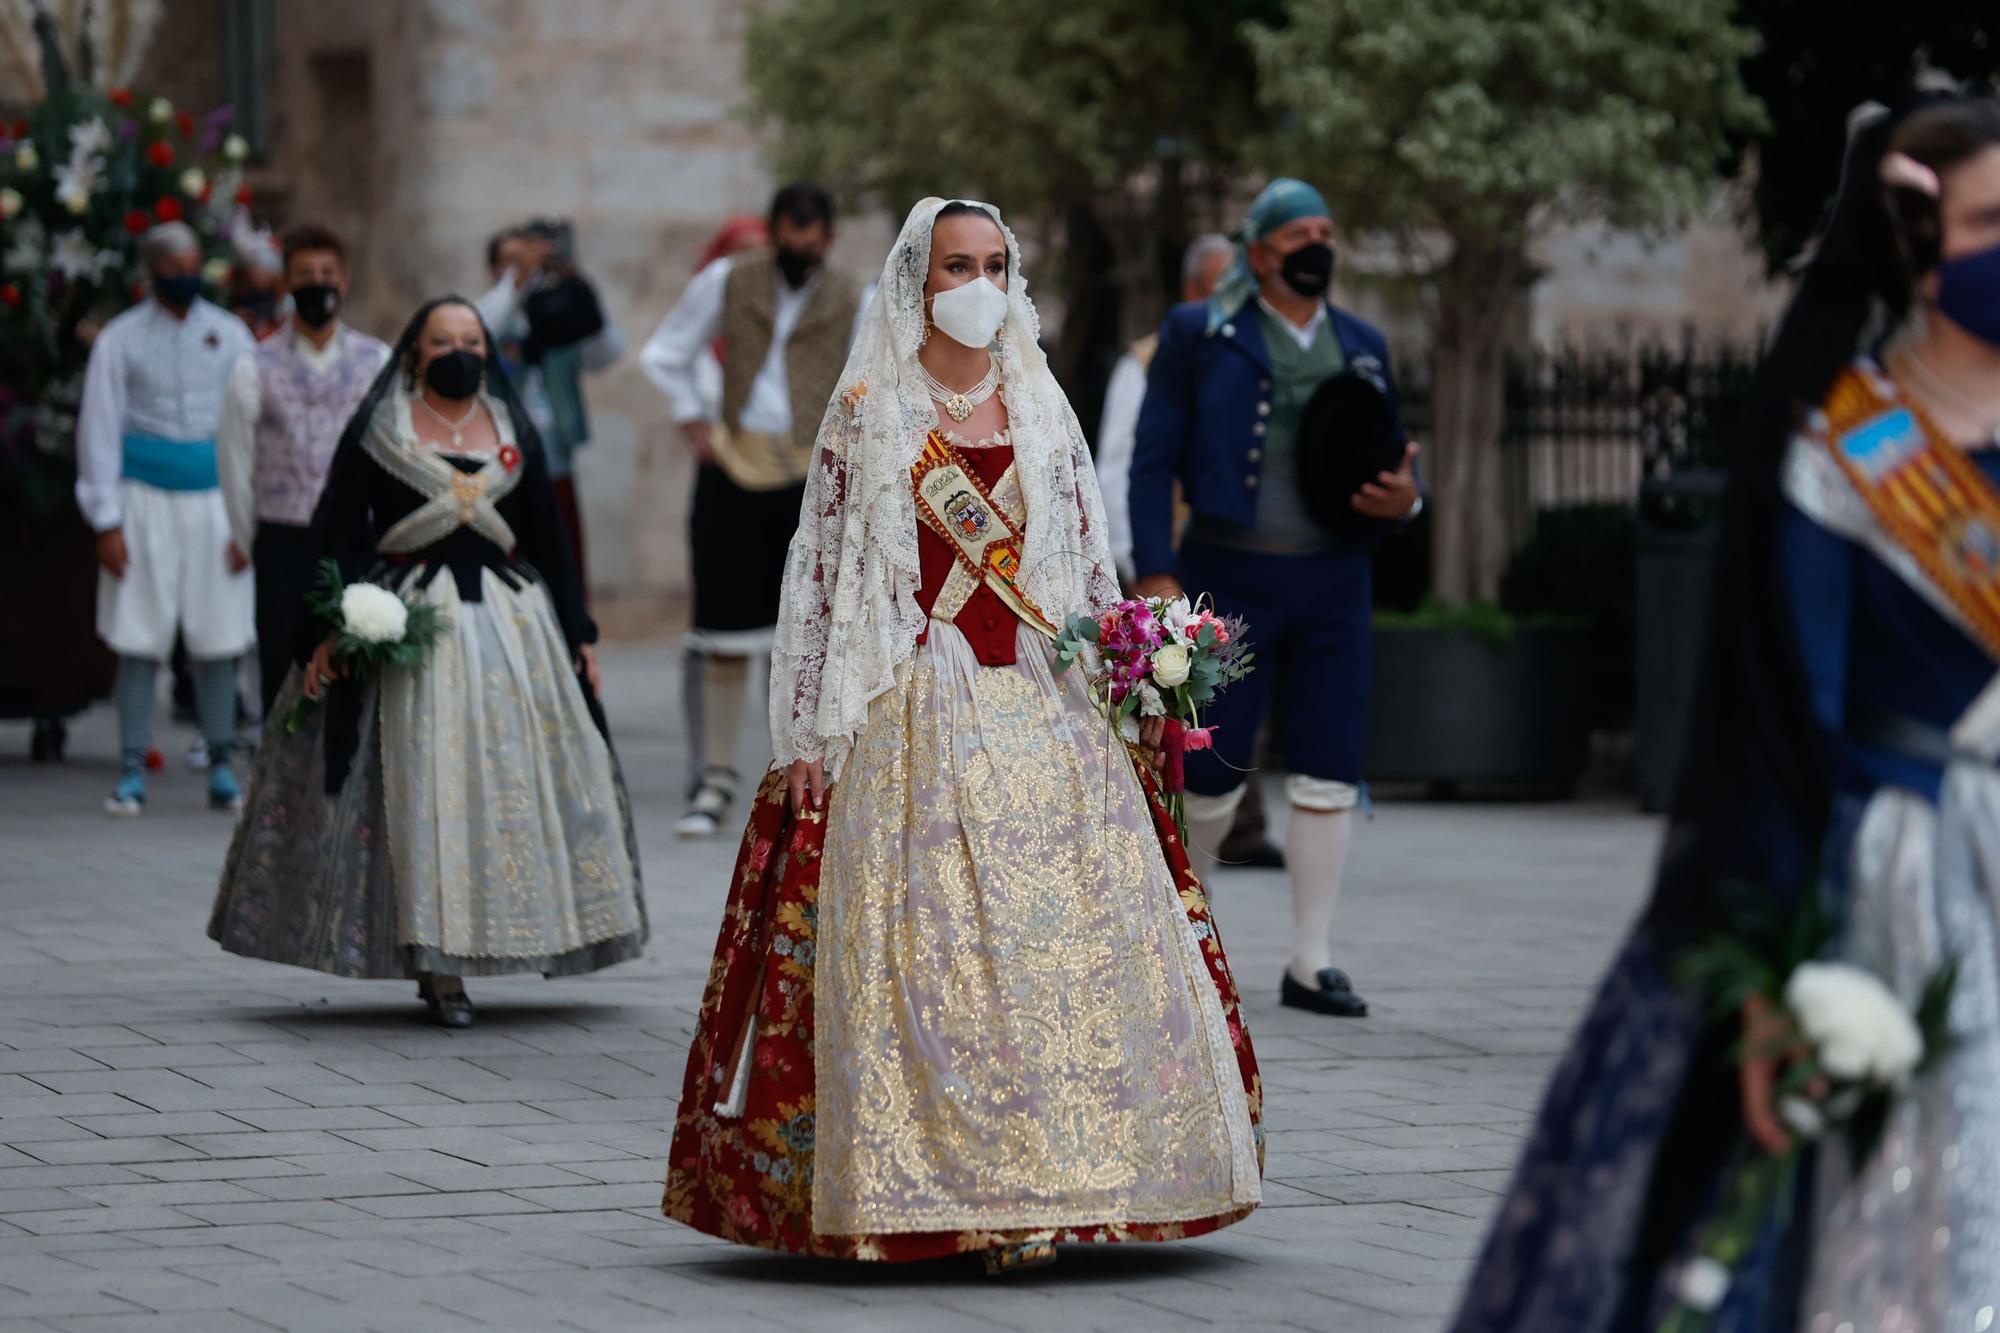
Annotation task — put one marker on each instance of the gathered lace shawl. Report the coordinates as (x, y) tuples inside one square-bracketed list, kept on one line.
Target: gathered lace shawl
[(848, 616)]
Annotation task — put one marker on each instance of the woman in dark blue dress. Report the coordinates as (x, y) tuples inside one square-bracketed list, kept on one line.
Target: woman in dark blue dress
[(1845, 747)]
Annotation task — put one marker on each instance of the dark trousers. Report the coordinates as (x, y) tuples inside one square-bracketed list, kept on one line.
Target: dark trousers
[(282, 556), (1309, 626), (572, 520)]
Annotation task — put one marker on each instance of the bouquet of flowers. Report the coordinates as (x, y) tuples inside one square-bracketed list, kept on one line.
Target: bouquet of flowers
[(84, 173), (1852, 1048), (1155, 657), (376, 628)]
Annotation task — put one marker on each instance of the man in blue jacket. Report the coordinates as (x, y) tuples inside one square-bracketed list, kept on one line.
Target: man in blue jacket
[(1224, 397)]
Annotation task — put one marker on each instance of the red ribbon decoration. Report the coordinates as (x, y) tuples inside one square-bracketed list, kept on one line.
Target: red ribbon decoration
[(1173, 771)]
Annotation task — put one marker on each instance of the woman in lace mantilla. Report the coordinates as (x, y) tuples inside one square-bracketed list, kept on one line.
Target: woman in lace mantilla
[(967, 994), (464, 817)]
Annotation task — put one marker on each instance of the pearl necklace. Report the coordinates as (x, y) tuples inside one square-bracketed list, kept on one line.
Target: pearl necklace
[(958, 406), (457, 428)]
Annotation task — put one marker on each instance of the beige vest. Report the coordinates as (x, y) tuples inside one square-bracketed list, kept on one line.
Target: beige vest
[(814, 358)]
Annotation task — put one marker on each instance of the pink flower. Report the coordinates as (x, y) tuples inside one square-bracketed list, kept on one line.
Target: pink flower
[(1198, 738)]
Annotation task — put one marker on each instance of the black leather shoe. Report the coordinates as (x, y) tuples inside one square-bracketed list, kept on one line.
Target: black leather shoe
[(1260, 855), (1334, 995), (449, 1011)]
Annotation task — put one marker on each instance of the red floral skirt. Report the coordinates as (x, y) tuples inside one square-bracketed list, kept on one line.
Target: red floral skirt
[(748, 1178)]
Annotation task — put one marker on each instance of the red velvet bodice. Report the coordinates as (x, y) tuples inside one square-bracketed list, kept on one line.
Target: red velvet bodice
[(985, 621)]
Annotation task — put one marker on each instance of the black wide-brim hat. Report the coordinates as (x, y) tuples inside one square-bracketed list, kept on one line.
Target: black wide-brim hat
[(1347, 437)]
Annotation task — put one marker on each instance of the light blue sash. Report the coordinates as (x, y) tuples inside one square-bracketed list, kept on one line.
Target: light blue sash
[(170, 465)]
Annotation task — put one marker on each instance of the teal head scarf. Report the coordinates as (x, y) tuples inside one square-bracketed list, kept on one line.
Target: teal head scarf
[(1283, 200)]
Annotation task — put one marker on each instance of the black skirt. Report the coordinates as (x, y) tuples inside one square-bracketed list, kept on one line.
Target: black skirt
[(739, 539)]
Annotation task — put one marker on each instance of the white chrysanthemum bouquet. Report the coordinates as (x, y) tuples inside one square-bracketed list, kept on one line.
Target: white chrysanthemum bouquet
[(1845, 1047), (375, 628)]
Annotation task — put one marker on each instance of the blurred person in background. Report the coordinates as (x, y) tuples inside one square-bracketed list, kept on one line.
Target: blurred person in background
[(147, 482), (1226, 395), (288, 400), (783, 322), (552, 331), (257, 285)]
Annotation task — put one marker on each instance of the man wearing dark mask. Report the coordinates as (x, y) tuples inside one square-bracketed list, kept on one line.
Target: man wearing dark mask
[(282, 416), (552, 331), (147, 482), (1225, 398), (784, 322)]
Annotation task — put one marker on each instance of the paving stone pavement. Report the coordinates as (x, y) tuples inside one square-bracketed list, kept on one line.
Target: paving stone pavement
[(193, 1141)]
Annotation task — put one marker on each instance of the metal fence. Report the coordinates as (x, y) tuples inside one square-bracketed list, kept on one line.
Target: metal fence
[(1591, 425)]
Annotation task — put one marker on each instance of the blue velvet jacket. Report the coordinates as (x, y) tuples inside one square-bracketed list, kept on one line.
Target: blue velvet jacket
[(1202, 422)]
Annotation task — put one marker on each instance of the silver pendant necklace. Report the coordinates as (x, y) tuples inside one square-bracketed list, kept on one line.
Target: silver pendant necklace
[(1961, 402), (958, 406), (457, 428)]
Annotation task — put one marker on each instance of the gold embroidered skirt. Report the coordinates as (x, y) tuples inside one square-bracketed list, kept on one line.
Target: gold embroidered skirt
[(1015, 1024), (484, 828)]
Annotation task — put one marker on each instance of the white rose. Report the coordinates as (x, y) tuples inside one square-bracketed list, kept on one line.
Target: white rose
[(1858, 1026), (373, 614), (10, 203), (161, 111), (235, 148), (26, 158), (77, 204), (1170, 666), (216, 273), (192, 182), (1704, 1282)]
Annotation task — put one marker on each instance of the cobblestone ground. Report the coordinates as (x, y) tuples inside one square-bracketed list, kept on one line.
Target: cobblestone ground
[(193, 1141)]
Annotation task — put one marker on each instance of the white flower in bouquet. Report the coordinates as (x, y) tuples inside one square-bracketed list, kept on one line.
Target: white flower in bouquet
[(10, 203), (1170, 666), (89, 137), (1151, 704), (161, 111), (26, 158), (1861, 1031), (1704, 1282), (1175, 615), (75, 257), (193, 182), (1801, 1116), (216, 272), (76, 181), (24, 254), (373, 614), (235, 148)]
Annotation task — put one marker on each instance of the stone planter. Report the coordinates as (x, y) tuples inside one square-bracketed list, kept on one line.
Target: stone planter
[(1454, 710)]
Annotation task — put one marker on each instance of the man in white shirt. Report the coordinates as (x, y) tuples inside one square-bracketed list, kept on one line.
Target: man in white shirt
[(147, 483), (288, 402), (785, 323)]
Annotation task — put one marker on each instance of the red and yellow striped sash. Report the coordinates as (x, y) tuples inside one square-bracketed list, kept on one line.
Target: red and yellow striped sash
[(1930, 499)]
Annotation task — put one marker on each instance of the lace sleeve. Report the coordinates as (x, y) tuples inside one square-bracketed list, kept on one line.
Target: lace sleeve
[(805, 612)]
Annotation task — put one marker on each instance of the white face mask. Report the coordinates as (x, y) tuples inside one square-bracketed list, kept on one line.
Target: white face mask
[(970, 314)]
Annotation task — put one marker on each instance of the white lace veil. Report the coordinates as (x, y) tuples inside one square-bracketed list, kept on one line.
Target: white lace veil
[(849, 614)]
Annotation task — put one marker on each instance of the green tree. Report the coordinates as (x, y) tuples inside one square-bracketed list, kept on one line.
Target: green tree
[(1464, 128), (1119, 117), (1816, 61)]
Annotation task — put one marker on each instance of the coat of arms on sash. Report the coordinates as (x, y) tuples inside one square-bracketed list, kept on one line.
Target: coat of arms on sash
[(967, 514)]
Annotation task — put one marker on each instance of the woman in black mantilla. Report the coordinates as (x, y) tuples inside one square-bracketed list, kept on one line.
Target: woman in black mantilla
[(1844, 752), (465, 817)]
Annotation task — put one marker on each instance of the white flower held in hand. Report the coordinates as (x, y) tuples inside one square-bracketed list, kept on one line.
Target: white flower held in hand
[(1861, 1031), (1170, 666), (1704, 1282), (372, 614)]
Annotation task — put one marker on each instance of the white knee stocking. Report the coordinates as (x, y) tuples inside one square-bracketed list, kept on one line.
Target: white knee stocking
[(1208, 821), (1316, 856)]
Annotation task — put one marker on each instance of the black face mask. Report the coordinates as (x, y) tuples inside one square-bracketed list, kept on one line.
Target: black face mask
[(1308, 270), (179, 290), (796, 265), (457, 374), (315, 304)]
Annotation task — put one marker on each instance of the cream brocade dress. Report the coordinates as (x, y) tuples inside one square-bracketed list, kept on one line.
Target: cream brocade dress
[(1015, 1025)]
